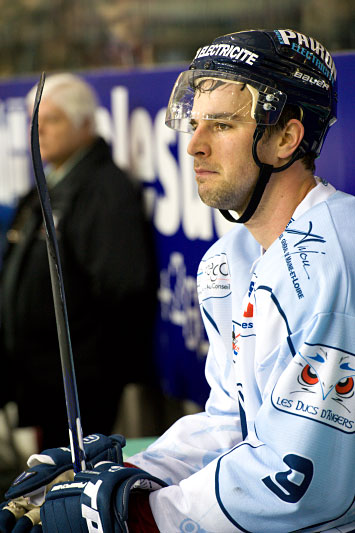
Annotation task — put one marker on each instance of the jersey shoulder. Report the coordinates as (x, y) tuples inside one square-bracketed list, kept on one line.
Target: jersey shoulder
[(237, 243), (313, 259), (336, 218)]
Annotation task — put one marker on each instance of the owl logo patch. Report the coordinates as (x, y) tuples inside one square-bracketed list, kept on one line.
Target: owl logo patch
[(319, 384)]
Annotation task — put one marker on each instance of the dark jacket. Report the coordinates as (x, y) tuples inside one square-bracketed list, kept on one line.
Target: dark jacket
[(109, 277)]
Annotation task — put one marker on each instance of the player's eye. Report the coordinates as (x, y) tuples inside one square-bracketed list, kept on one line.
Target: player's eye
[(344, 386), (309, 376), (222, 126)]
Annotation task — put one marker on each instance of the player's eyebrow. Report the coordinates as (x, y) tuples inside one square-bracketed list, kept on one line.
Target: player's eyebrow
[(215, 116)]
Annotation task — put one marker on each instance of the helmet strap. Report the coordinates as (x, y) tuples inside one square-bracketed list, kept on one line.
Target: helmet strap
[(263, 179)]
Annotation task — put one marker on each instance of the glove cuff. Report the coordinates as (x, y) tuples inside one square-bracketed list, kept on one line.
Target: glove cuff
[(96, 500)]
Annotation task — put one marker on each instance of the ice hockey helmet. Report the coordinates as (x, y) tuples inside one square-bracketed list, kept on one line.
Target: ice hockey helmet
[(279, 67)]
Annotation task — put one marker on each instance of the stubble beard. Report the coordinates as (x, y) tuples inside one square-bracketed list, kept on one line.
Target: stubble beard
[(226, 195)]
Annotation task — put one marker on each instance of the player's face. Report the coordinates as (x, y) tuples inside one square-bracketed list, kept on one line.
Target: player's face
[(59, 138), (222, 149)]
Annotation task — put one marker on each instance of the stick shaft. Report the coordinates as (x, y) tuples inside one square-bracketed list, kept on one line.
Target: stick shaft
[(65, 349)]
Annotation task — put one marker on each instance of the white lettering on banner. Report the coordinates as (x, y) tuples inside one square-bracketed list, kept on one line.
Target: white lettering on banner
[(119, 107), (142, 153), (104, 123), (167, 207), (14, 155), (141, 143)]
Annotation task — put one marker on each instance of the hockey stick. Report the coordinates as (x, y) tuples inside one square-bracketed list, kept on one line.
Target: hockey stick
[(66, 356)]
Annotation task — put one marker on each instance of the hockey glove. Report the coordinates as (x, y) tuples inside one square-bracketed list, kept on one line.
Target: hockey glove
[(28, 490), (96, 500)]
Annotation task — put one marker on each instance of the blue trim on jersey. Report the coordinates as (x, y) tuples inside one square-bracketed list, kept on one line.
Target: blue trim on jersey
[(243, 419), (278, 306), (282, 313), (291, 346), (332, 520), (218, 497), (216, 297), (329, 346), (211, 320)]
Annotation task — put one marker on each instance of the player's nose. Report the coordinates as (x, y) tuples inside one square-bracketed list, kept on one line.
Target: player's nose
[(199, 143)]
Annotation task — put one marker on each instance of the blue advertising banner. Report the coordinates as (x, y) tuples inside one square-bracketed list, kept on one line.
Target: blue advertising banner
[(131, 118)]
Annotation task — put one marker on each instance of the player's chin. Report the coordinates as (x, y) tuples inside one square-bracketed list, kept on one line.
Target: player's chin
[(205, 194), (210, 198)]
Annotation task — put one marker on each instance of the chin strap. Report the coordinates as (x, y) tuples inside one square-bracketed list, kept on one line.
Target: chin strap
[(263, 179)]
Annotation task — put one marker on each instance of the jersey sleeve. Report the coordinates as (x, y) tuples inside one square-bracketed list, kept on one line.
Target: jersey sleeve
[(303, 443), (195, 440)]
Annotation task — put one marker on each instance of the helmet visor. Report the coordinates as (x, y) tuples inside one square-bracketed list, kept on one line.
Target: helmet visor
[(213, 95)]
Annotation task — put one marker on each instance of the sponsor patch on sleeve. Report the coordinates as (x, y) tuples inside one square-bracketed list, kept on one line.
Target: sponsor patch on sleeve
[(319, 385), (213, 278)]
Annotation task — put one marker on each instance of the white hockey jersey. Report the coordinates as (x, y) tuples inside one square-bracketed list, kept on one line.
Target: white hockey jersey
[(274, 450)]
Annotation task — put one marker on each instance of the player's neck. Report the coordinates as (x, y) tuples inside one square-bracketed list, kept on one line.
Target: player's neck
[(284, 192)]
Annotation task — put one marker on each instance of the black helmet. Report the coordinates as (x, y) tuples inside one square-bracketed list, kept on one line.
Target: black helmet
[(279, 67)]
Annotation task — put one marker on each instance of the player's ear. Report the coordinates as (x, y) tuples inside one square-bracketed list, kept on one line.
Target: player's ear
[(290, 138)]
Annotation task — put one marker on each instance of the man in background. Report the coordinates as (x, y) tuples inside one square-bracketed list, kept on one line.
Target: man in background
[(108, 271)]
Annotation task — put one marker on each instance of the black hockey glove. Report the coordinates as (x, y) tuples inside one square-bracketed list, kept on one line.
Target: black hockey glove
[(96, 500), (21, 512)]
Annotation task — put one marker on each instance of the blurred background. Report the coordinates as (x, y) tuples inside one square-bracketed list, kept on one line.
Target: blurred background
[(51, 35), (131, 51)]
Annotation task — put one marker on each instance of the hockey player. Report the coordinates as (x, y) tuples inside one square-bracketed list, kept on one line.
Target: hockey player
[(274, 450)]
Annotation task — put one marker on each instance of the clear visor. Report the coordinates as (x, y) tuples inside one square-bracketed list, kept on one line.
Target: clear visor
[(202, 95)]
